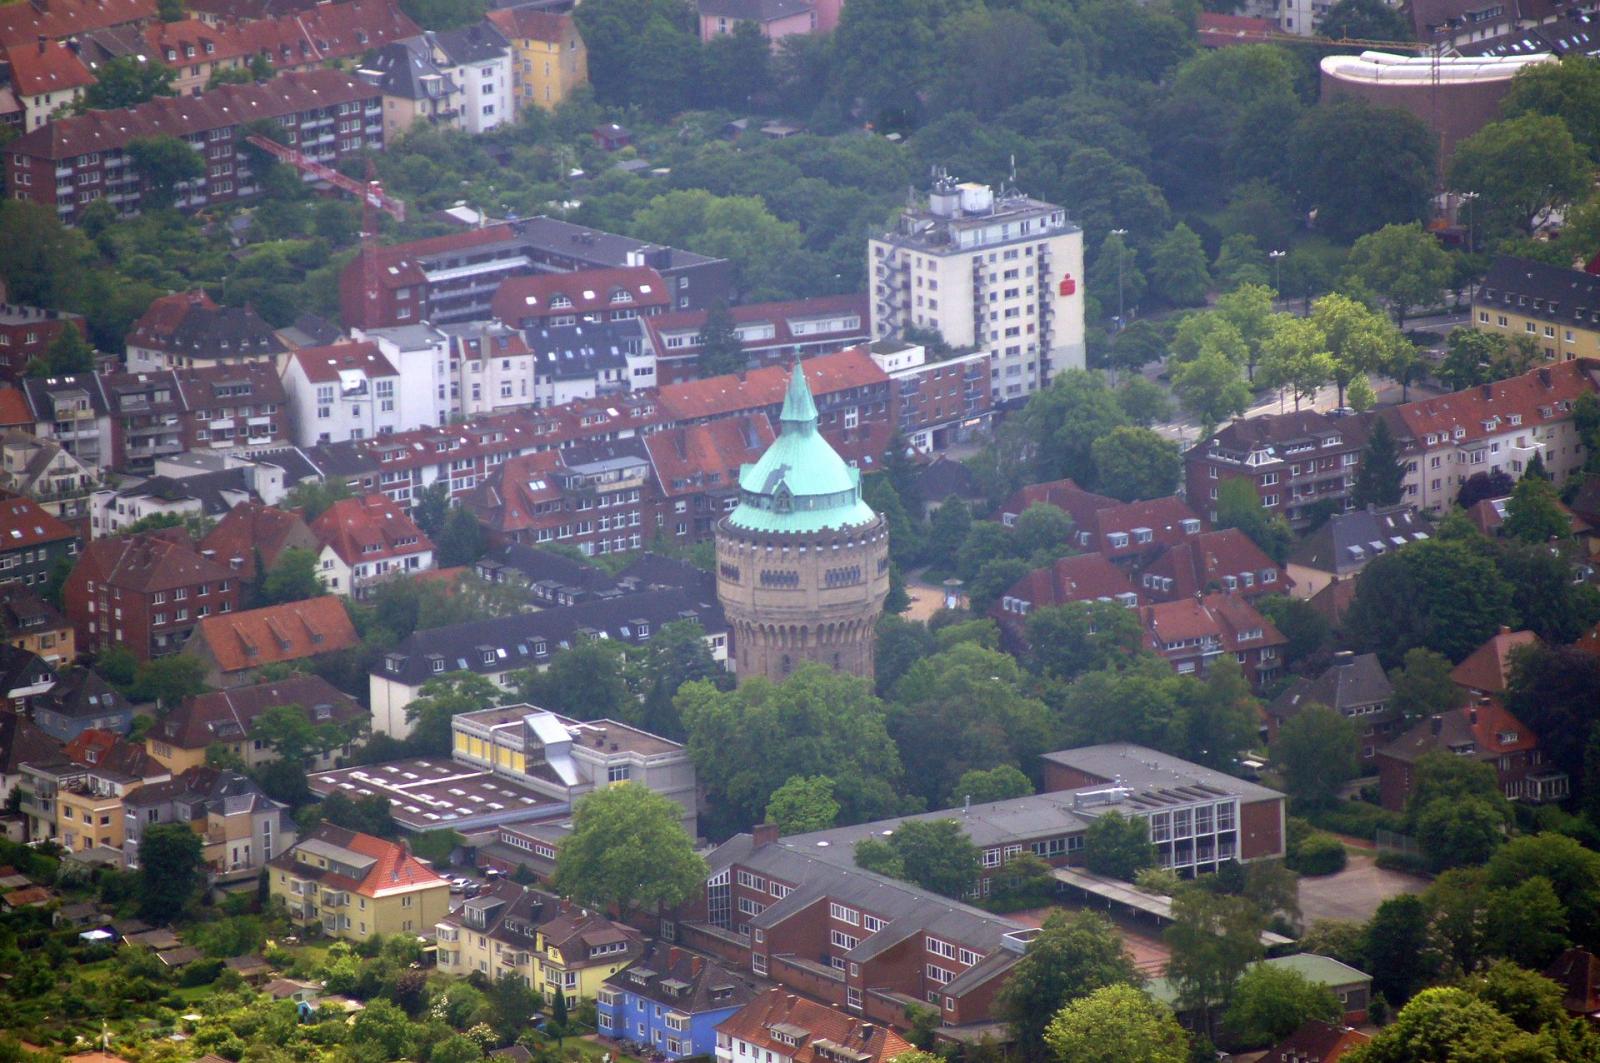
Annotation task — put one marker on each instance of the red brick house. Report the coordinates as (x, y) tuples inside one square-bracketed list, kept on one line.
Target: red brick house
[(91, 148), (1292, 460), (1226, 560), (769, 333), (695, 472), (26, 333), (1486, 732), (250, 530), (1080, 578), (1316, 1040), (1129, 533), (1193, 632), (146, 592), (788, 1028)]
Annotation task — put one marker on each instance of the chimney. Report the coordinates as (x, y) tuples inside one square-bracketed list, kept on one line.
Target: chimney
[(696, 964), (1344, 658), (1486, 390), (674, 954), (1504, 630), (1472, 715), (1545, 379), (764, 834), (44, 42), (1436, 723)]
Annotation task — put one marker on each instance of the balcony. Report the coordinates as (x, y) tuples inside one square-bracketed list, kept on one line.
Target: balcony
[(446, 933), (330, 899)]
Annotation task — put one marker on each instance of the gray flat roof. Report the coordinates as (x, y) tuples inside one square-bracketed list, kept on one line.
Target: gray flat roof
[(1142, 768)]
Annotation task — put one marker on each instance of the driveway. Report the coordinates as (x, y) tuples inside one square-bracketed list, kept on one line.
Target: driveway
[(1354, 893)]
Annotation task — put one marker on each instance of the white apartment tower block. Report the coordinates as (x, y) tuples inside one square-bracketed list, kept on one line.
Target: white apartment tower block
[(996, 273)]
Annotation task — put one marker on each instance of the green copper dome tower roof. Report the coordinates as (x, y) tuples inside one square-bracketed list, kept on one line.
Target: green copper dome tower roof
[(800, 484)]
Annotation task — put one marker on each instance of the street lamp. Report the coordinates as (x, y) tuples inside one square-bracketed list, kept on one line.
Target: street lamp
[(1277, 270), (1470, 199)]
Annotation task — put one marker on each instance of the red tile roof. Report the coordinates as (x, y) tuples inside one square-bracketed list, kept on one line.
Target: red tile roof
[(526, 23), (41, 68), (373, 528), (1485, 731), (507, 499), (1081, 578), (150, 561), (1315, 1040), (322, 365), (322, 33), (24, 523), (1201, 562), (289, 632), (394, 869), (106, 749), (874, 1041), (586, 290), (250, 527), (1577, 972), (778, 315), (1065, 495), (24, 23), (163, 316), (1487, 669), (1163, 518), (221, 108), (14, 409), (707, 456), (719, 396), (1224, 617), (228, 715), (1540, 396)]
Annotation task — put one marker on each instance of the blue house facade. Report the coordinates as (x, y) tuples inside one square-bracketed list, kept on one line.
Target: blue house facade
[(671, 1000)]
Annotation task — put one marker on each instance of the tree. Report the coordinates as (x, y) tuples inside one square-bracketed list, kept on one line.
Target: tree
[(1480, 486), (746, 741), (68, 353), (126, 81), (1135, 463), (432, 508), (1118, 846), (1534, 513), (1527, 998), (1042, 530), (628, 849), (720, 349), (762, 247), (385, 1028), (1552, 691), (1385, 177), (1473, 358), (948, 529), (1423, 687), (171, 869), (584, 682), (162, 163), (1359, 339), (901, 643), (1441, 778), (313, 497), (1217, 717), (1146, 403), (1526, 923), (677, 654), (1397, 948), (1401, 264), (1239, 506), (1213, 938), (737, 66), (1317, 750), (1458, 833), (1117, 1024), (168, 680), (1240, 263), (442, 699), (1572, 871), (1065, 641), (1381, 479), (1269, 1003), (462, 541), (288, 731), (1523, 168), (1212, 388), (1074, 954), (1135, 703), (934, 853), (1116, 280), (1178, 271), (1441, 594), (1367, 20), (996, 784), (1300, 622), (1248, 309), (1295, 355), (1450, 1024), (292, 578), (803, 804), (1568, 90)]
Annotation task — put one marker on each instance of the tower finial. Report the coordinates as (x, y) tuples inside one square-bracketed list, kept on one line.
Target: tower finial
[(799, 409)]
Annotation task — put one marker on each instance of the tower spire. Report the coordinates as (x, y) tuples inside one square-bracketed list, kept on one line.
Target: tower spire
[(799, 409)]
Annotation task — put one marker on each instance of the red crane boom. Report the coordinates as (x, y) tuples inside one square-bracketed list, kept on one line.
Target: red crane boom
[(370, 193)]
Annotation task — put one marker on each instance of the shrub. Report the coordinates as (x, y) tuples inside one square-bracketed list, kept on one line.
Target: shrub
[(1357, 818), (200, 972), (1319, 854)]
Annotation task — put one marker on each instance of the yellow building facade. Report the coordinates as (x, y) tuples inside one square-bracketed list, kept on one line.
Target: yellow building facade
[(549, 58), (89, 816), (357, 887)]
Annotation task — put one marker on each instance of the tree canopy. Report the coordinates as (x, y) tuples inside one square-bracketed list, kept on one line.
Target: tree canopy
[(628, 849)]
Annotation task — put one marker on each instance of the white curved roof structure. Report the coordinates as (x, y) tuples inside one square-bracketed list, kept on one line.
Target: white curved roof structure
[(1388, 68)]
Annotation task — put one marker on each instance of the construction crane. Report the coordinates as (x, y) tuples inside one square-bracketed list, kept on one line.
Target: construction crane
[(370, 192)]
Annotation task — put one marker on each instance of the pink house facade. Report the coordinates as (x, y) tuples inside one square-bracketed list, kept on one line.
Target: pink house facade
[(776, 19)]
